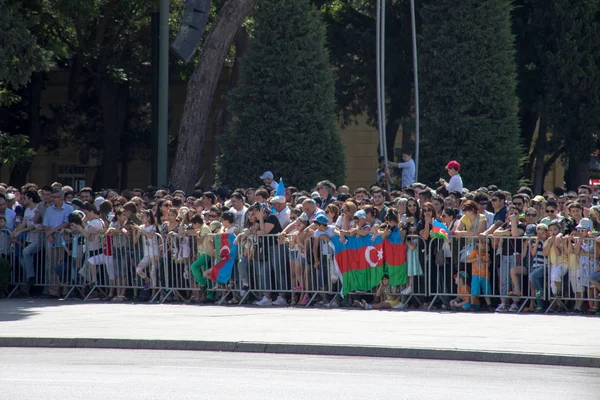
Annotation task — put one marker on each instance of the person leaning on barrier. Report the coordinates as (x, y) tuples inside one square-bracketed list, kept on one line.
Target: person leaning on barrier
[(204, 260)]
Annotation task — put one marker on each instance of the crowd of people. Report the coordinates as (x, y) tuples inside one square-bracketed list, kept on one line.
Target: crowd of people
[(554, 252)]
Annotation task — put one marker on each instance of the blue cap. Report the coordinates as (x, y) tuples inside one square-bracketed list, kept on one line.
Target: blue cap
[(360, 214), (321, 219)]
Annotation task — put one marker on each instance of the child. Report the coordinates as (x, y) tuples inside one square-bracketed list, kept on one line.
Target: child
[(385, 297), (412, 259), (73, 245), (118, 233), (535, 250), (585, 249), (480, 280), (228, 227), (298, 245), (204, 260), (324, 233), (151, 250), (463, 301), (553, 250)]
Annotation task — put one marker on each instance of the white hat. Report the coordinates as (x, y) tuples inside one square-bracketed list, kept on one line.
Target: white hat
[(585, 223), (278, 199), (10, 196), (267, 175), (98, 201)]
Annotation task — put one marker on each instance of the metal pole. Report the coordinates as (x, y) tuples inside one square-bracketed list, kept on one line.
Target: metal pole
[(163, 93), (383, 114), (378, 52), (416, 75)]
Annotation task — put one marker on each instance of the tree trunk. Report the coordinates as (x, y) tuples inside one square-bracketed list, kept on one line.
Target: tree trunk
[(221, 115), (541, 148), (578, 172), (18, 175), (200, 92)]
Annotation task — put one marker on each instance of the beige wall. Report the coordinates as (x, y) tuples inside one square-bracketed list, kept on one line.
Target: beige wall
[(361, 143)]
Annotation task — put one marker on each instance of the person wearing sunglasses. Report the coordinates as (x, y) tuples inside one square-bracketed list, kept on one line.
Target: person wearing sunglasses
[(551, 212)]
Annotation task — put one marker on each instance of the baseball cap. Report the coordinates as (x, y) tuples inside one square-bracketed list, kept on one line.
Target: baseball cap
[(278, 199), (315, 195), (215, 226), (321, 219), (538, 199), (97, 202), (463, 274), (585, 223), (10, 196), (267, 175), (360, 214), (77, 202), (453, 165), (531, 230)]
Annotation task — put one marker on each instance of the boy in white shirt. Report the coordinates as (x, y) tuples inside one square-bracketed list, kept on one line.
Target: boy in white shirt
[(456, 183)]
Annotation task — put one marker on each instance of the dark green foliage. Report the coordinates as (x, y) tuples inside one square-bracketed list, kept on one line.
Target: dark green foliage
[(468, 99), (284, 109)]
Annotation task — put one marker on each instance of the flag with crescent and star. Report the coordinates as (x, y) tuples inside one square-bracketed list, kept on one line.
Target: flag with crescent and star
[(226, 251), (359, 262)]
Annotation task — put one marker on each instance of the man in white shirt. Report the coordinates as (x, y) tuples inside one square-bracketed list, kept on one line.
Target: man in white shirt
[(281, 210), (408, 168), (455, 184), (239, 210)]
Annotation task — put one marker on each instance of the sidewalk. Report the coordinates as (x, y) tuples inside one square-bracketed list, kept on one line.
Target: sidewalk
[(536, 339)]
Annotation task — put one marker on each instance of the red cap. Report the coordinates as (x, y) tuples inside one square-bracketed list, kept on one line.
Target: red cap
[(453, 165)]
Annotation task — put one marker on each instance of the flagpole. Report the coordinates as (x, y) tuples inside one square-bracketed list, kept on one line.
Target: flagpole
[(416, 82)]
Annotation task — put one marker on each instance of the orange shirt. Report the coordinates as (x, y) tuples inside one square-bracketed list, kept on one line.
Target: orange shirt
[(465, 290), (480, 265)]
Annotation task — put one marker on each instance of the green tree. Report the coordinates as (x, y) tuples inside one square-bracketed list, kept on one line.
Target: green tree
[(467, 71), (571, 78), (284, 108)]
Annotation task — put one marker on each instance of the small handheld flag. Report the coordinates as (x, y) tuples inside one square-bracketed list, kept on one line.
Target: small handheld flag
[(280, 188), (439, 231)]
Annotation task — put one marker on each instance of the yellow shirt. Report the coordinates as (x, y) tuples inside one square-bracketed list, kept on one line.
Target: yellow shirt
[(204, 232)]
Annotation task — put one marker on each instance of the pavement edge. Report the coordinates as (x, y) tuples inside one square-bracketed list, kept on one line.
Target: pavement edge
[(305, 349)]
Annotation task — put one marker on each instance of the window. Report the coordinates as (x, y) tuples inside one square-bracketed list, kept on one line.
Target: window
[(72, 175)]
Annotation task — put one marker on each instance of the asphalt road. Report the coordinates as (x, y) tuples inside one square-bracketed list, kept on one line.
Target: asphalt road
[(65, 374)]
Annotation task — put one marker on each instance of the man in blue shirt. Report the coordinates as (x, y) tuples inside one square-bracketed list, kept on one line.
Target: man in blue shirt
[(408, 168), (55, 220)]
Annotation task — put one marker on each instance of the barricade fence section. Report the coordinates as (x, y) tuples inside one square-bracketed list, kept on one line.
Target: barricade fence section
[(467, 272), (462, 274)]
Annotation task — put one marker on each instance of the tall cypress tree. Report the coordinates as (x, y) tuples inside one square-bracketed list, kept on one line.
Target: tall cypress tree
[(468, 91), (284, 109)]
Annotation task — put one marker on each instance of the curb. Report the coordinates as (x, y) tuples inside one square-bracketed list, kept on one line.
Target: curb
[(304, 349)]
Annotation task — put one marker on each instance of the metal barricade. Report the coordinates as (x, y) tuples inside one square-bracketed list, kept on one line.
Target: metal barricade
[(470, 268), (7, 260), (117, 263), (417, 262), (569, 273)]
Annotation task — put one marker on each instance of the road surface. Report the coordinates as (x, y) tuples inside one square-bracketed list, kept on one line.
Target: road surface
[(65, 374)]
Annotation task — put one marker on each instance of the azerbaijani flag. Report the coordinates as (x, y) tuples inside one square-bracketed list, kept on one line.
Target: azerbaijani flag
[(394, 257), (221, 272), (439, 231), (359, 262)]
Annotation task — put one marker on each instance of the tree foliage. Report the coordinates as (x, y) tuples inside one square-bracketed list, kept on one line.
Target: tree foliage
[(467, 71), (284, 108)]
